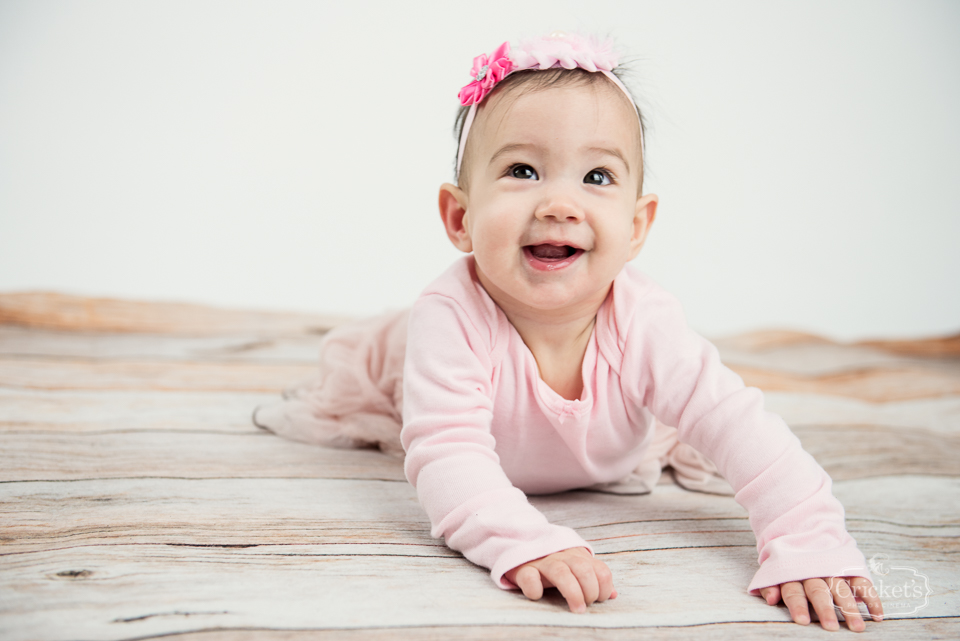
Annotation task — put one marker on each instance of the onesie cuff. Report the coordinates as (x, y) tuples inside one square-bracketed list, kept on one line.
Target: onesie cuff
[(823, 565), (563, 539)]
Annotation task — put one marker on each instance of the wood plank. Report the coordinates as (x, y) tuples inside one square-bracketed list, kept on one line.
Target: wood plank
[(878, 385), (860, 451), (65, 457), (936, 347), (32, 342), (383, 516), (818, 359), (893, 630), (845, 451), (807, 358), (137, 499), (33, 373), (221, 513), (370, 516), (64, 312), (342, 516), (874, 385), (902, 501), (762, 340), (26, 410), (936, 414), (108, 410), (135, 590)]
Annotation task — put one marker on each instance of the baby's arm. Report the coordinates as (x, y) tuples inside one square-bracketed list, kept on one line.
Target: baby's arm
[(451, 457), (799, 524), (581, 578)]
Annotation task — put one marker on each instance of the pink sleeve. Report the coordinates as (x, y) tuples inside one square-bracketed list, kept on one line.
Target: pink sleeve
[(447, 410), (798, 522)]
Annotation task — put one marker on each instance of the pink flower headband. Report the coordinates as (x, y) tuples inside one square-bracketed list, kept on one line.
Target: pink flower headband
[(568, 51)]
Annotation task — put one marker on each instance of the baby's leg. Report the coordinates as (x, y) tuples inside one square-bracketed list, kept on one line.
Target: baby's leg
[(356, 398)]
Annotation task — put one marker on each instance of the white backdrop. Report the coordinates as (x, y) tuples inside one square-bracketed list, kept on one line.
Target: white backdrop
[(286, 155)]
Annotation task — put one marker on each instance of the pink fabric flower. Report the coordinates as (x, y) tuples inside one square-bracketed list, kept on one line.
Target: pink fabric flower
[(486, 73)]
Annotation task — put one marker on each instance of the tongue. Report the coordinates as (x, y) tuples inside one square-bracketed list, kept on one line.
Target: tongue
[(549, 252)]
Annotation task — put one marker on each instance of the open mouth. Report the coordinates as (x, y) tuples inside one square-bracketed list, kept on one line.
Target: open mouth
[(551, 257)]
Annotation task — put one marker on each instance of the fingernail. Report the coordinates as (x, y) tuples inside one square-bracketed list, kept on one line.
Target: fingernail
[(803, 620)]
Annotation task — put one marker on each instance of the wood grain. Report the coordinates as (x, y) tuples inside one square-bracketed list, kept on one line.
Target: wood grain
[(845, 451), (933, 347), (875, 385), (129, 591), (97, 411), (858, 451), (67, 457), (348, 513), (34, 373), (821, 359), (138, 501), (91, 346), (933, 628), (936, 414), (50, 310)]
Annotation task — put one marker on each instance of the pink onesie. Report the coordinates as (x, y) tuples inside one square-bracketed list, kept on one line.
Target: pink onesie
[(481, 429)]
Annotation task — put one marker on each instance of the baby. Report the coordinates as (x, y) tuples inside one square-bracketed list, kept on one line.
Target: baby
[(543, 361)]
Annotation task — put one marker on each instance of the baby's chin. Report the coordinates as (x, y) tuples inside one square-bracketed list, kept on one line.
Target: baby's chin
[(572, 288), (575, 296)]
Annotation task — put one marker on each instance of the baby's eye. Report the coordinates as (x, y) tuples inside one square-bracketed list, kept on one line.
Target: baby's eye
[(524, 172), (597, 177)]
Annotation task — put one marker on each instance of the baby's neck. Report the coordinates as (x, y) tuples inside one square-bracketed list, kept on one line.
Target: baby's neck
[(558, 339), (559, 350)]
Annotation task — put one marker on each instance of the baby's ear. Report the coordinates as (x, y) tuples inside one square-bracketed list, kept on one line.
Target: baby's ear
[(453, 211), (643, 216)]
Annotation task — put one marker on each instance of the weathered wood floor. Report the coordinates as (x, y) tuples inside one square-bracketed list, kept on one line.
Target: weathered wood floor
[(138, 501)]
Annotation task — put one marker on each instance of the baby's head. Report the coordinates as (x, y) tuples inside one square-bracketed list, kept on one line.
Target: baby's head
[(532, 81), (550, 170)]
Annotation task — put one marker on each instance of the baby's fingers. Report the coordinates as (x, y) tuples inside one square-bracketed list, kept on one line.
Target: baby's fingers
[(821, 598), (586, 572), (563, 578), (528, 580), (843, 597), (795, 599), (605, 581), (771, 594), (864, 589)]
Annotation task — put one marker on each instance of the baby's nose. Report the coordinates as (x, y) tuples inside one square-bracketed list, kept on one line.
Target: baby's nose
[(560, 208)]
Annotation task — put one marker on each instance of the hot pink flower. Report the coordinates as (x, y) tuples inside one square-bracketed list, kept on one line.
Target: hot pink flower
[(486, 73)]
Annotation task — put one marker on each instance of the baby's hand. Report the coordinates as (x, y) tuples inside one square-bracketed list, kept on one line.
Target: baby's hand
[(823, 593), (580, 577)]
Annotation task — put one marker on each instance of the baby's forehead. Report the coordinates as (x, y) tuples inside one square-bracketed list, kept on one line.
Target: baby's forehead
[(501, 105), (523, 110)]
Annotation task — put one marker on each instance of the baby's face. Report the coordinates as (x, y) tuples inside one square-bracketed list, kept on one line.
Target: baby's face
[(553, 211)]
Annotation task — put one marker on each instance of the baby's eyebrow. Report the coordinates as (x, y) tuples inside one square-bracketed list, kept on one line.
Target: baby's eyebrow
[(506, 149), (616, 153), (608, 151)]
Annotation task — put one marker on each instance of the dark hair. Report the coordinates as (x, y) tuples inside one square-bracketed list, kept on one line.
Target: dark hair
[(535, 80)]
